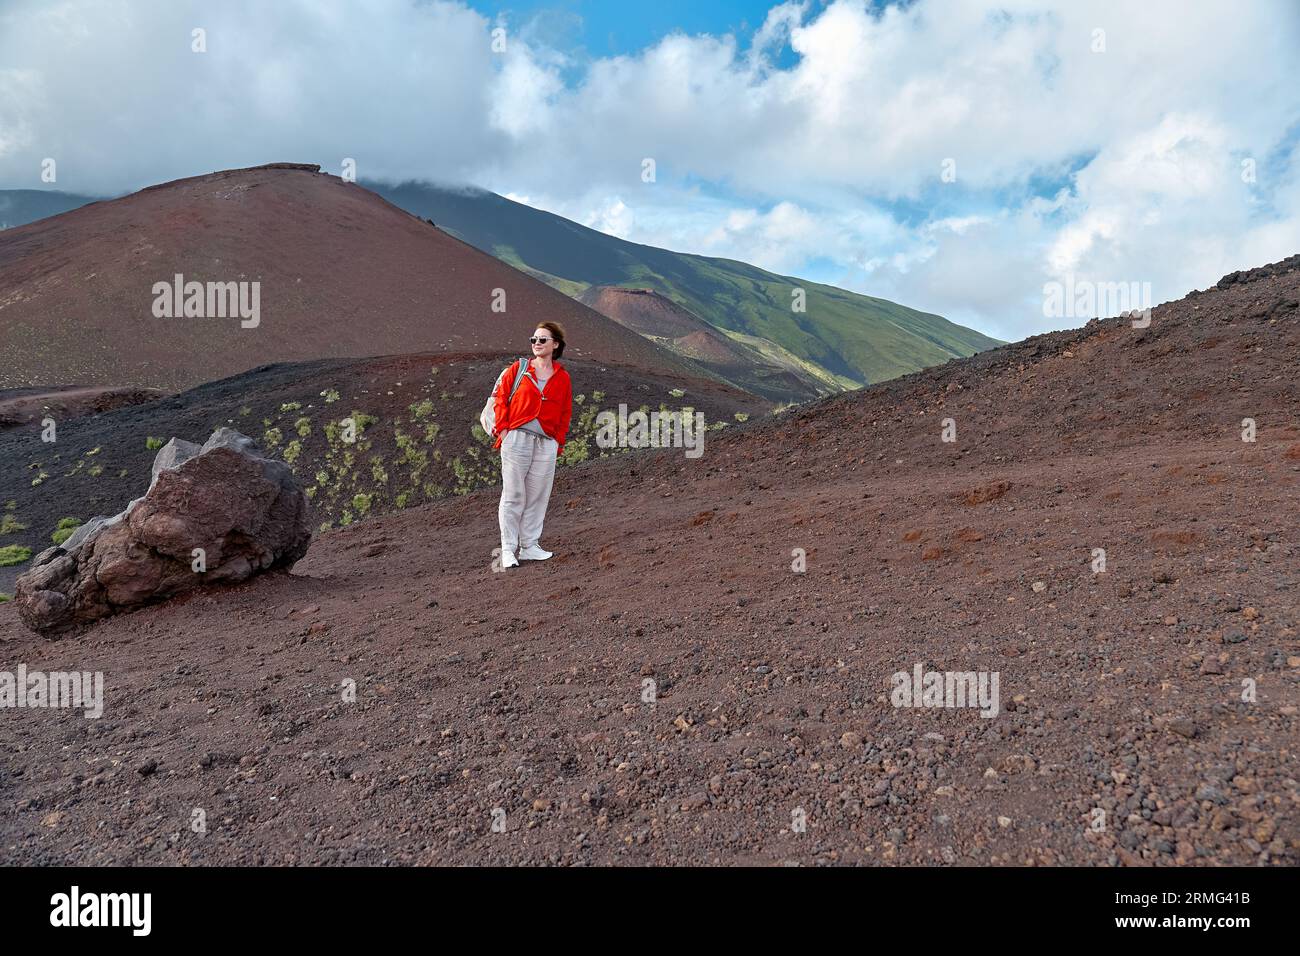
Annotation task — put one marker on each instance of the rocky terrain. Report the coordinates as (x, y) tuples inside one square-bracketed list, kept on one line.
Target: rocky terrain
[(702, 674), (215, 513)]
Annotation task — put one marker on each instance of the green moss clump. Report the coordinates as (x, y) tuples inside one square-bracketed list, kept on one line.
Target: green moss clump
[(63, 531), (303, 427), (362, 503), (10, 525), (292, 451), (291, 406), (272, 437), (362, 421), (153, 444), (12, 554)]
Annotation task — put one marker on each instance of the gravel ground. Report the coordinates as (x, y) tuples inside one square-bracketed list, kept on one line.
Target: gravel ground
[(671, 689)]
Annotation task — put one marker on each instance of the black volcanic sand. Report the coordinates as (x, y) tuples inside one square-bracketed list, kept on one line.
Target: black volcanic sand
[(115, 443)]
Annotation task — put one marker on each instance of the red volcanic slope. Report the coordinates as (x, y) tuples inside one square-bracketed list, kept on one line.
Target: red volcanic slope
[(664, 321), (652, 314), (342, 273)]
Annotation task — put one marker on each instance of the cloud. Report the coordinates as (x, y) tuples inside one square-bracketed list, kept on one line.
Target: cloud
[(1103, 139)]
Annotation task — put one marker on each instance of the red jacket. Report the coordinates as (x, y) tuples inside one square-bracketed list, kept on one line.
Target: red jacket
[(552, 409)]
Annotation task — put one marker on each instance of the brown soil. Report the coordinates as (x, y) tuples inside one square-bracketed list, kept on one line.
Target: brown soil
[(1121, 692), (27, 406), (342, 272)]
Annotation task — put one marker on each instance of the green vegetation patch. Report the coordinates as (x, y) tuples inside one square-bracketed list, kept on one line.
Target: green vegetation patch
[(12, 554), (63, 531)]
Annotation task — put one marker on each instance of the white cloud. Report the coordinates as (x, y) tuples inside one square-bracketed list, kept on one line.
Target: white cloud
[(836, 157)]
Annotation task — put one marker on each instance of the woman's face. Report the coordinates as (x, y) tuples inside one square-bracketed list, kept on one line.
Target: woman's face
[(543, 349)]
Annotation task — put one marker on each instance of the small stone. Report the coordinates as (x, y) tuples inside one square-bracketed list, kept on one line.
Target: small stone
[(1039, 587), (850, 740), (695, 801), (1211, 793), (146, 768), (1182, 726), (1004, 822)]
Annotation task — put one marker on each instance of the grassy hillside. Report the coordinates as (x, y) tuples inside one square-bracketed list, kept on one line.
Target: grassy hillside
[(21, 206), (860, 337)]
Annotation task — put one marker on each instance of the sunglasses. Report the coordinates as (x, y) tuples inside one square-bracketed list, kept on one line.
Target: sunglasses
[(539, 339)]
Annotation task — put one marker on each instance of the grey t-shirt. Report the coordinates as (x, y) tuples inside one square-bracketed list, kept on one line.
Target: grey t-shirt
[(535, 427)]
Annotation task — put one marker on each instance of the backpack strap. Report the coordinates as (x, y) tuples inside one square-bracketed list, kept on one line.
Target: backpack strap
[(519, 378)]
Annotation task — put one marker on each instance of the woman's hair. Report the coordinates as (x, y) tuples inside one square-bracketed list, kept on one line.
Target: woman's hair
[(557, 332)]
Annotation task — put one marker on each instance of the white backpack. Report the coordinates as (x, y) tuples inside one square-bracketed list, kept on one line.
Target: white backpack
[(488, 417)]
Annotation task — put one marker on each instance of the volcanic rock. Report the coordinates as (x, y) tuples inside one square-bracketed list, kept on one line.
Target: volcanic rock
[(215, 513)]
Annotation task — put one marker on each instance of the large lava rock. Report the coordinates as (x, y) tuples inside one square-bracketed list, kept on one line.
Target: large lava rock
[(246, 513)]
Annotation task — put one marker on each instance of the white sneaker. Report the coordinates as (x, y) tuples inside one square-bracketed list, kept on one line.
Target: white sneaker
[(508, 560), (533, 553)]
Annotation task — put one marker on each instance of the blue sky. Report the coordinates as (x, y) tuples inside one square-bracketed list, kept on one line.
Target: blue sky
[(614, 27), (953, 155)]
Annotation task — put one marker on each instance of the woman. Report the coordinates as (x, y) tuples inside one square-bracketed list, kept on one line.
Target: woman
[(530, 431)]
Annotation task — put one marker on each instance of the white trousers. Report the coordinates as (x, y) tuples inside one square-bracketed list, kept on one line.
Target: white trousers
[(527, 471)]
